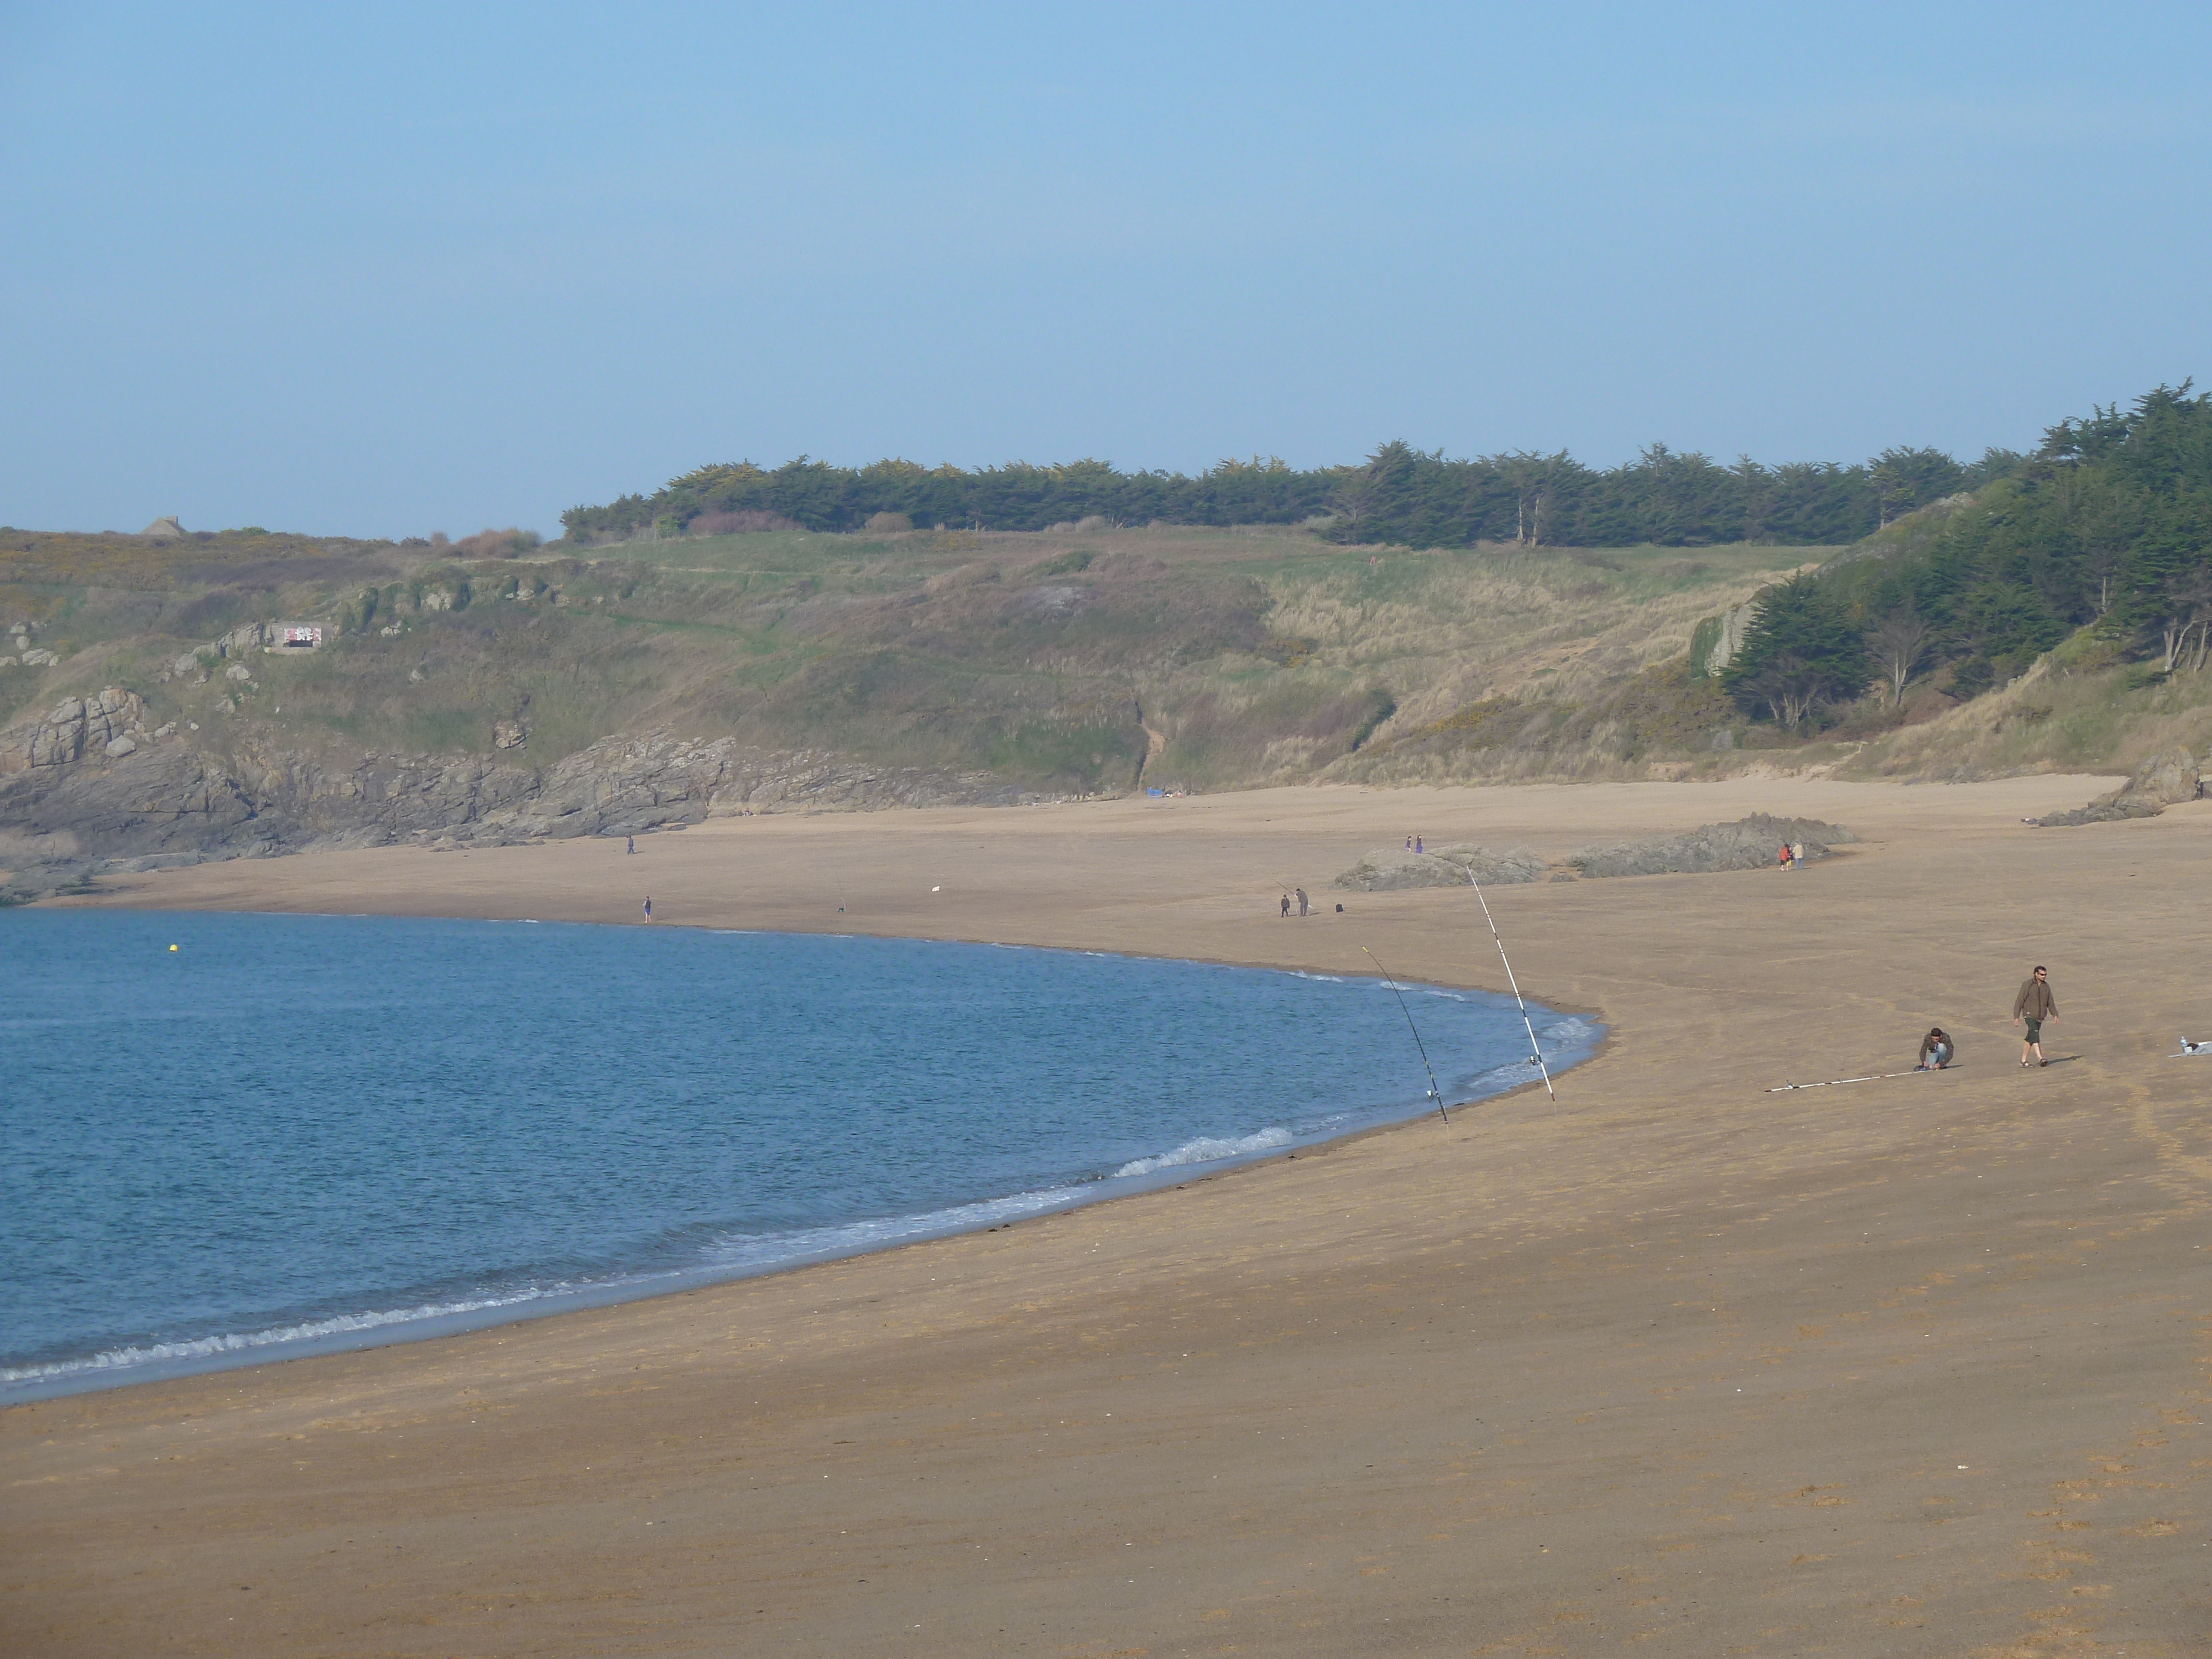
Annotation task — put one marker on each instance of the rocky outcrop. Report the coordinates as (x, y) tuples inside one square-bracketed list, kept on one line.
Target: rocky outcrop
[(2160, 782), (77, 727), (87, 790), (1745, 844), (1392, 870)]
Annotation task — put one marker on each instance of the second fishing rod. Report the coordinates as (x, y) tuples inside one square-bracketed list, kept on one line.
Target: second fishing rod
[(1535, 1049)]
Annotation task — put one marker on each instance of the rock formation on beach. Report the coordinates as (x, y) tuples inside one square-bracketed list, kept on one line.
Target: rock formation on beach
[(1745, 844), (2165, 779), (1390, 869), (87, 790)]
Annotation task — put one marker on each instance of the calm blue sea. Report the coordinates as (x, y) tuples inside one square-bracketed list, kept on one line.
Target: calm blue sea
[(294, 1132)]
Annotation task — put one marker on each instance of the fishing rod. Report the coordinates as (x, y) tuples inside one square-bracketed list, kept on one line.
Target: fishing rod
[(1435, 1093), (1871, 1077), (1535, 1052)]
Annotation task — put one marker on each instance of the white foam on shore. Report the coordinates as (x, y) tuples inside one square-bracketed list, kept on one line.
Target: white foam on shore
[(1208, 1149), (209, 1347), (735, 1254), (739, 1251)]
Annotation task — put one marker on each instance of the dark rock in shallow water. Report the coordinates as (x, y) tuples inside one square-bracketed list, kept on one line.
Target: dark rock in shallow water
[(1747, 844), (1391, 870)]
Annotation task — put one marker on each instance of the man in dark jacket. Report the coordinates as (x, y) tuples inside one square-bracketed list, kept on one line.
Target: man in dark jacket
[(2035, 1003)]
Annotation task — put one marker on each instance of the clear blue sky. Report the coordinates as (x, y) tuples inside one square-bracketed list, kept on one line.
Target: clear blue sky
[(385, 270)]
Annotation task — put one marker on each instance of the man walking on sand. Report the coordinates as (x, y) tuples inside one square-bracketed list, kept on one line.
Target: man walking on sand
[(2035, 1003)]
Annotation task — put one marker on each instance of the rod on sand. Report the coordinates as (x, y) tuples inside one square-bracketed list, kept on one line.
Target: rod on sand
[(1871, 1077), (1435, 1093), (1536, 1052)]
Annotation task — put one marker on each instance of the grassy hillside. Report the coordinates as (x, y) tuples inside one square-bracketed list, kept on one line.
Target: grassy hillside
[(1075, 661)]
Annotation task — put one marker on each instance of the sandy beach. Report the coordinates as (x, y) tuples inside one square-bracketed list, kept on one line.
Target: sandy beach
[(1674, 1365)]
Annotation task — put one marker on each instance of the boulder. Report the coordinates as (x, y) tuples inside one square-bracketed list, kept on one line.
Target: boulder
[(1747, 844), (2166, 778), (75, 726), (1393, 869)]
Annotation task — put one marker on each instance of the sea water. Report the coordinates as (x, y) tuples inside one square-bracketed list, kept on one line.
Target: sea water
[(288, 1133)]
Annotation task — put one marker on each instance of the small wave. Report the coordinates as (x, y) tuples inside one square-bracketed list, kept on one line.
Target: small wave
[(1326, 979), (1570, 1030), (735, 1251), (207, 1348), (1208, 1149)]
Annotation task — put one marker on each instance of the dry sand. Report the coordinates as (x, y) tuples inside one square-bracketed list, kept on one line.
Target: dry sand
[(1914, 1367)]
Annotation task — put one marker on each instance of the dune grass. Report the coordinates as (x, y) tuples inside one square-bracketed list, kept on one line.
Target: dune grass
[(1075, 661)]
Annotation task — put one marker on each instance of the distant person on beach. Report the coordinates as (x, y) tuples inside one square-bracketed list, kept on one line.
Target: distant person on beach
[(1418, 848), (1409, 843), (2035, 1003), (648, 909), (1936, 1050), (1796, 854), (1304, 908), (1286, 904), (633, 844), (1783, 859)]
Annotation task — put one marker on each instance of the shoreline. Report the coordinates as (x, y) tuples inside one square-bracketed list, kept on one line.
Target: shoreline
[(1676, 1363), (486, 1308)]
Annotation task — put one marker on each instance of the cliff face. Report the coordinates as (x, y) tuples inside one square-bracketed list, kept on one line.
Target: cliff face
[(85, 789)]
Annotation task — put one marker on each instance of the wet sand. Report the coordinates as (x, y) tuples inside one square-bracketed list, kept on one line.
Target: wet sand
[(1675, 1365)]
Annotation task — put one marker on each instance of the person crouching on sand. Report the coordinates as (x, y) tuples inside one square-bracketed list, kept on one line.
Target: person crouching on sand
[(1936, 1050), (2035, 1003)]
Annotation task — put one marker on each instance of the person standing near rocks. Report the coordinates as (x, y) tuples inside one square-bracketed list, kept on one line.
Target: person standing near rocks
[(2035, 1003)]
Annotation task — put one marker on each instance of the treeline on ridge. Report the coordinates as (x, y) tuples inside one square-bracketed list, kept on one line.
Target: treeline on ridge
[(2104, 535), (1400, 495)]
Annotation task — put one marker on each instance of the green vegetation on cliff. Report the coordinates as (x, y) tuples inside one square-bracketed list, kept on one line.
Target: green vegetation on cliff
[(1071, 663), (1399, 496), (1087, 658), (2100, 541)]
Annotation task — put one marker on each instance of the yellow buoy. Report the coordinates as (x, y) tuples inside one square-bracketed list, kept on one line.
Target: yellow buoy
[(172, 947)]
